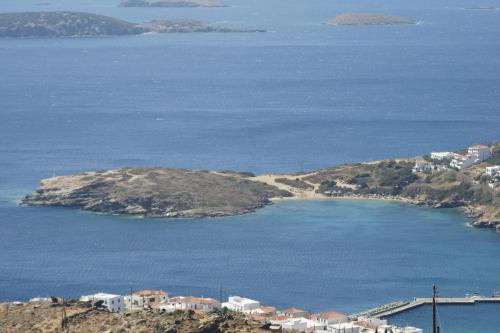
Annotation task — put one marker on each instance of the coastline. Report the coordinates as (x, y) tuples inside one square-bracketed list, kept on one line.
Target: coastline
[(183, 193)]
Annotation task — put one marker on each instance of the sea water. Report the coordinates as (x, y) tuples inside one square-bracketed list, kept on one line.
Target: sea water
[(301, 96)]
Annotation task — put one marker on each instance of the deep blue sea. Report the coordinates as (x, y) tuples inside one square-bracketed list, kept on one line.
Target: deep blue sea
[(303, 95)]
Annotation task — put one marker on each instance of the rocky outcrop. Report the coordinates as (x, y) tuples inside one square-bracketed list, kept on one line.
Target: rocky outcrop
[(368, 19), (46, 317), (487, 223), (156, 192)]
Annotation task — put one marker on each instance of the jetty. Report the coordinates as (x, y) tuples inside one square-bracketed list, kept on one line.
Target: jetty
[(390, 309)]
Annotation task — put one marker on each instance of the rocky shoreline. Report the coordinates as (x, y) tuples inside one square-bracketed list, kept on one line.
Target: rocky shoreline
[(182, 193), (156, 193), (478, 215)]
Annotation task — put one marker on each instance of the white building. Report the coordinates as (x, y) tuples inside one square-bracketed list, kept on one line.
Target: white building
[(372, 321), (297, 324), (241, 304), (408, 329), (113, 303), (481, 152), (294, 313), (266, 311), (493, 170), (192, 303), (41, 300), (144, 298), (463, 162), (422, 165), (441, 155), (344, 328), (331, 318)]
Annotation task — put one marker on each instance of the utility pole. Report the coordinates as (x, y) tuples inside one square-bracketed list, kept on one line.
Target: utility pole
[(131, 296), (434, 322), (221, 291), (64, 320)]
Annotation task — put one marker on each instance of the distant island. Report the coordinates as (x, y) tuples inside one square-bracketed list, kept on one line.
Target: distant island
[(78, 24), (368, 19), (171, 3), (481, 8), (162, 192)]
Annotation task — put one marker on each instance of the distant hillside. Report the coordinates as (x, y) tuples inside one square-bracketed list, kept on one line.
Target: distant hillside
[(63, 24), (76, 24), (46, 317), (368, 19), (171, 3)]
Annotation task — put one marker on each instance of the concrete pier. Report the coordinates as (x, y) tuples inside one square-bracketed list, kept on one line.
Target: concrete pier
[(401, 306)]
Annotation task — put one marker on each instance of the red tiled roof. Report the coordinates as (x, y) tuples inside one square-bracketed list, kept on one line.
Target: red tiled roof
[(267, 309), (330, 315), (365, 325), (293, 310)]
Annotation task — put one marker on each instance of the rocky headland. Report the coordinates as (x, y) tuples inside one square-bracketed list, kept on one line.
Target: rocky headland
[(78, 24), (171, 3), (163, 192), (368, 19), (156, 192)]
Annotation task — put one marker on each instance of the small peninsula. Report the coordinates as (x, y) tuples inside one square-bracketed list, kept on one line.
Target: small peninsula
[(171, 3), (156, 192), (163, 192), (368, 19), (78, 24)]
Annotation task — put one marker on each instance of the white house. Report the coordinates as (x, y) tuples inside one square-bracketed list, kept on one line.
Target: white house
[(144, 298), (344, 328), (241, 304), (331, 318), (41, 300), (481, 152), (463, 162), (441, 155), (493, 170), (193, 303), (408, 329), (113, 303), (297, 324), (294, 313), (265, 311), (371, 321), (422, 165)]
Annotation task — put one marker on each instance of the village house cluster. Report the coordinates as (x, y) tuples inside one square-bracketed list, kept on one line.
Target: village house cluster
[(440, 161), (291, 319)]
